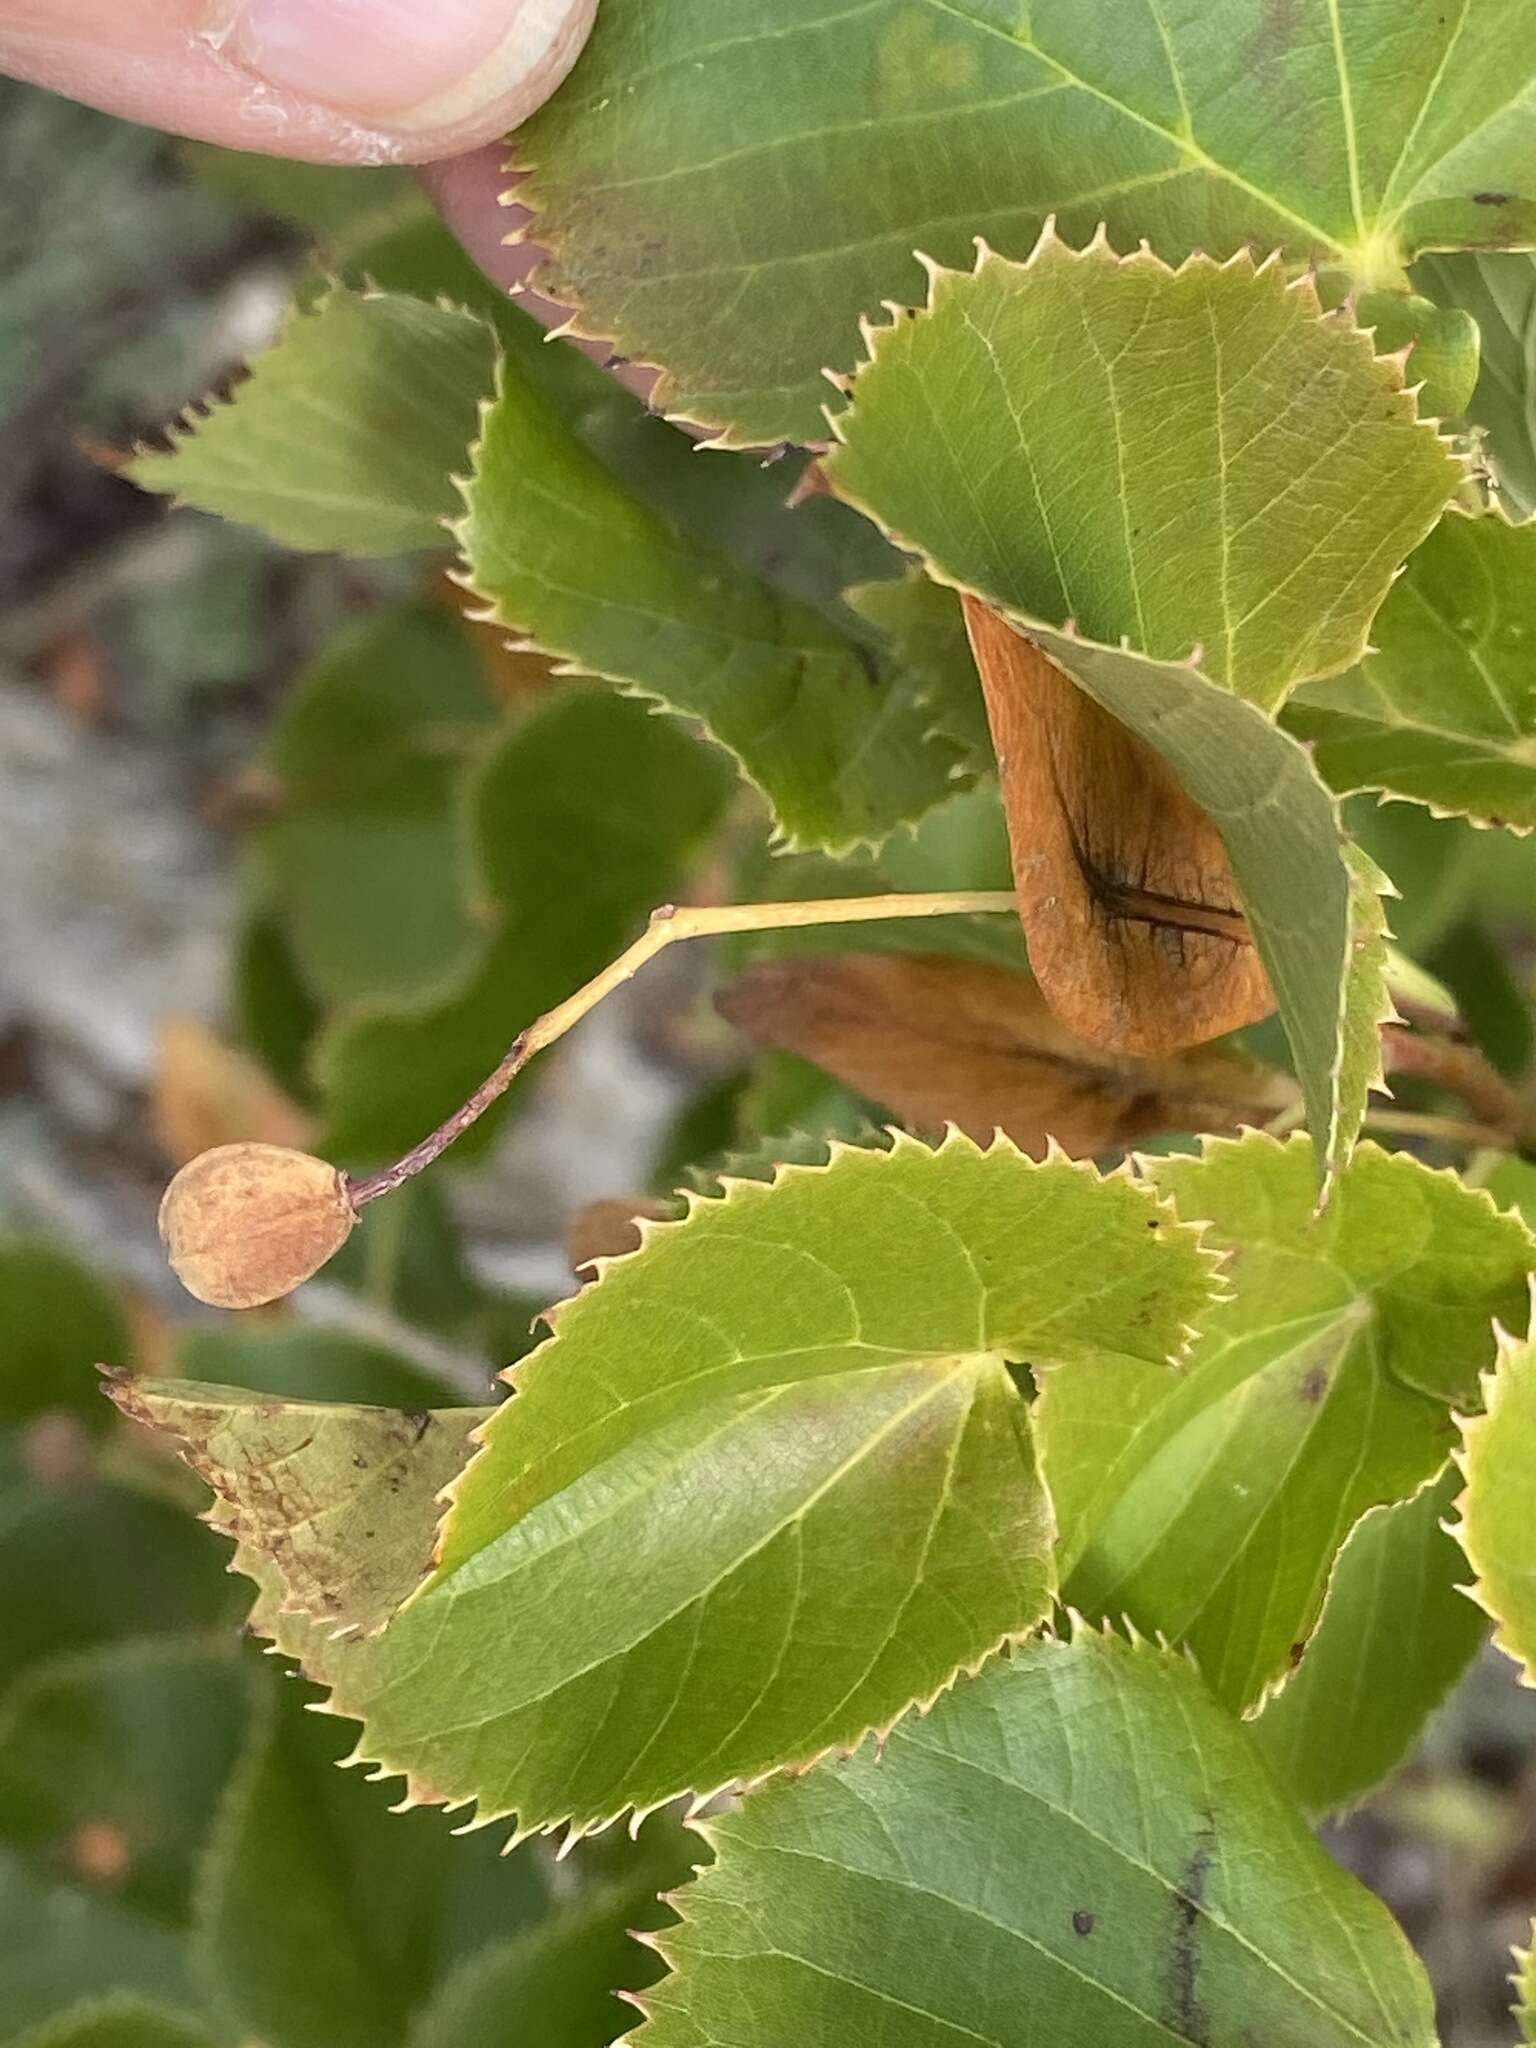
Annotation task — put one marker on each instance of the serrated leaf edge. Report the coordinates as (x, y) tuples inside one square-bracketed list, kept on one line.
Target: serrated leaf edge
[(488, 611), (1494, 1385)]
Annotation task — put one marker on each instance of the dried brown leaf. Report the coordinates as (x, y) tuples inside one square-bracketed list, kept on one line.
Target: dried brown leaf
[(207, 1093), (940, 1040), (1126, 895), (608, 1228)]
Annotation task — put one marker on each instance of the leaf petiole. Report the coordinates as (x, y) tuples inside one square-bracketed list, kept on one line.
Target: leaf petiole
[(668, 925)]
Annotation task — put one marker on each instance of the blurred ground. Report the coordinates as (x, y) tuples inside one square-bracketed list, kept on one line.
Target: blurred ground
[(142, 653)]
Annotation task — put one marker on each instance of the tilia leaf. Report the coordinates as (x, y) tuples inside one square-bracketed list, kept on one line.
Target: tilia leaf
[(1396, 1633), (1498, 289), (1497, 1529), (1212, 1507), (1108, 441), (1368, 1005), (769, 1484), (348, 431), (563, 553), (1524, 1982), (341, 1499), (1077, 1842), (914, 124), (941, 1040), (1443, 710), (118, 2021), (1192, 530)]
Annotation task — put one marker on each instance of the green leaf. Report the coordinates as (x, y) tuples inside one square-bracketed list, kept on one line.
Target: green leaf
[(1368, 1004), (1177, 520), (1497, 1529), (1524, 1982), (565, 1974), (1111, 442), (151, 1570), (585, 819), (328, 199), (735, 504), (348, 431), (924, 624), (57, 1325), (1395, 1635), (342, 1499), (915, 124), (1211, 1507), (121, 1752), (769, 1484), (363, 863), (563, 553), (329, 1920), (304, 1362), (1079, 1843), (1444, 710), (59, 1946), (118, 2023), (1499, 291)]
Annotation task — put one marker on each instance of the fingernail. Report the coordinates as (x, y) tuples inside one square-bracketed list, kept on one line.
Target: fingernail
[(413, 64)]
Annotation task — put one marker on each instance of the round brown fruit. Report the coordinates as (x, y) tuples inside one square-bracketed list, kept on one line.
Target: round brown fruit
[(245, 1224)]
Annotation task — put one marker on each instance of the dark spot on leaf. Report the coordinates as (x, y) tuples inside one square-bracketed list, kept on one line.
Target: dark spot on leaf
[(1186, 2012), (360, 1462), (1082, 1923), (1314, 1386), (1295, 1654), (1490, 199), (420, 1421)]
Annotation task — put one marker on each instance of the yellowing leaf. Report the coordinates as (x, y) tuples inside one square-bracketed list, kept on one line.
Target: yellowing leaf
[(341, 1499), (769, 1484)]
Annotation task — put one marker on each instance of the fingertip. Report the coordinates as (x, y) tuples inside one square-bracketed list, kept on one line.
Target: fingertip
[(437, 80), (336, 81)]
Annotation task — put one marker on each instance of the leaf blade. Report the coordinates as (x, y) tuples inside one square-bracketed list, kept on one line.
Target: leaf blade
[(1079, 1833)]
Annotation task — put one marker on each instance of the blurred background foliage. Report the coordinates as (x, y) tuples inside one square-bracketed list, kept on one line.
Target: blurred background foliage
[(291, 849)]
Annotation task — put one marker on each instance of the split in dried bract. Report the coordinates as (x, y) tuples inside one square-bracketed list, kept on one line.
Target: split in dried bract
[(942, 1040), (246, 1224), (1125, 890)]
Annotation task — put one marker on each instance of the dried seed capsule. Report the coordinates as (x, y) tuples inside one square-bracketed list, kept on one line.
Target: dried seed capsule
[(245, 1224)]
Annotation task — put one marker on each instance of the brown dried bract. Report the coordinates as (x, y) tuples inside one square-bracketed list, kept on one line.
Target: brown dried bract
[(1125, 892), (245, 1224), (608, 1228), (206, 1092), (939, 1040)]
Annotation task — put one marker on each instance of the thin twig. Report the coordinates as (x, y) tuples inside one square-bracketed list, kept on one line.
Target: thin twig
[(667, 927), (1449, 1130)]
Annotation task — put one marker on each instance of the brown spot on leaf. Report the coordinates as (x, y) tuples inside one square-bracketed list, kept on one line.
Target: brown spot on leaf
[(1314, 1386), (1490, 199), (1125, 891), (1082, 1923), (99, 1852)]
